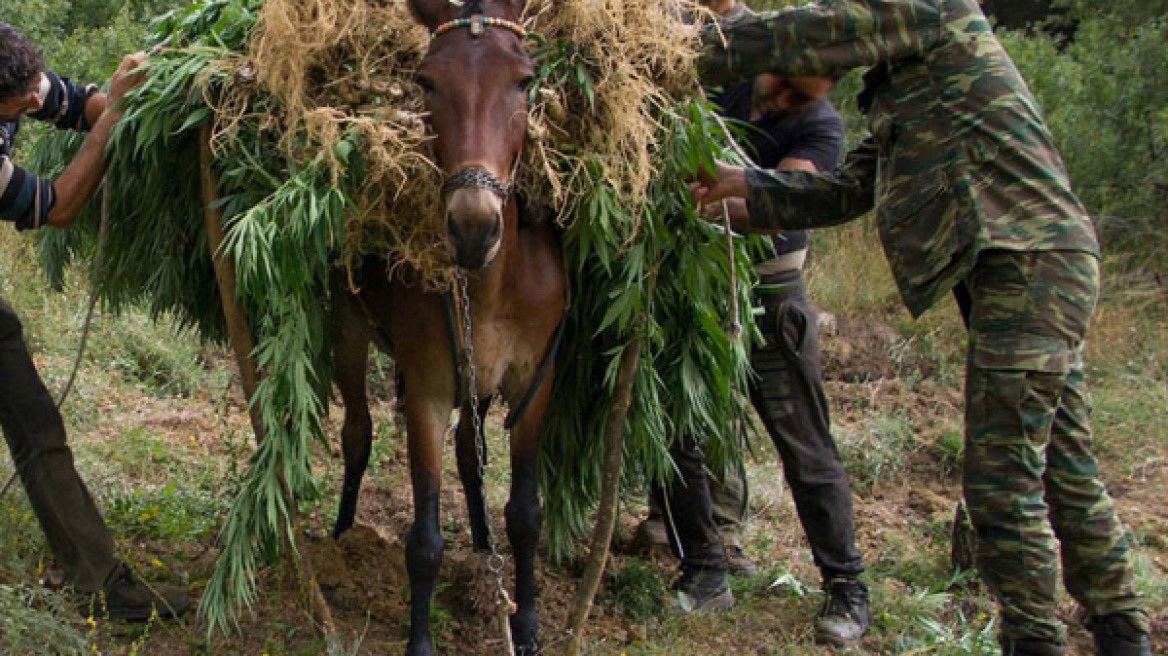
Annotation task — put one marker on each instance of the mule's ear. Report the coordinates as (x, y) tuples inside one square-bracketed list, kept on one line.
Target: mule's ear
[(430, 13)]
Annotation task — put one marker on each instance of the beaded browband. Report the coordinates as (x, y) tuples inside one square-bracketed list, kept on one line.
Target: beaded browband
[(477, 24)]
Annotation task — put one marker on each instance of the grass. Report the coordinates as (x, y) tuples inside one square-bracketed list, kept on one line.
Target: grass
[(36, 621), (635, 589)]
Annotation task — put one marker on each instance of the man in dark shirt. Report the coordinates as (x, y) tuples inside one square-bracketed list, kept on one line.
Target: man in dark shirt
[(33, 428), (785, 128)]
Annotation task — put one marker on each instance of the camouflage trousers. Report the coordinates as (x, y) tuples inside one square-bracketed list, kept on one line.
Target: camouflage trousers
[(1030, 480)]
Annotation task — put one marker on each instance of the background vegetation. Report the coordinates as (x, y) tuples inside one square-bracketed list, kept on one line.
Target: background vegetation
[(159, 431)]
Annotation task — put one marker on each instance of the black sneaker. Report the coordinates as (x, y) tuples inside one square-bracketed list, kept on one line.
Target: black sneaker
[(1030, 647), (126, 598), (738, 563), (1116, 636), (844, 617), (701, 590)]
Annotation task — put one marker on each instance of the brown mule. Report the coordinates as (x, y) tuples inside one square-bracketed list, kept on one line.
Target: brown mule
[(475, 77)]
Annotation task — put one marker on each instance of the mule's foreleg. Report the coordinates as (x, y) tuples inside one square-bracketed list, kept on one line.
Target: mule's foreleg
[(471, 451), (351, 357), (524, 518), (424, 545)]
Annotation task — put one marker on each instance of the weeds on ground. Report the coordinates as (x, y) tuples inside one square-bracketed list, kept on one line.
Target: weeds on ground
[(874, 455), (635, 590), (36, 621)]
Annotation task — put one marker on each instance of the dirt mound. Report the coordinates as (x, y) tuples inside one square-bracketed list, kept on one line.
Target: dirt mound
[(856, 350), (361, 572)]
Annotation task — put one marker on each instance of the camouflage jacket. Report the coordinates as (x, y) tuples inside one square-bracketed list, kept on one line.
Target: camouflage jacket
[(958, 160)]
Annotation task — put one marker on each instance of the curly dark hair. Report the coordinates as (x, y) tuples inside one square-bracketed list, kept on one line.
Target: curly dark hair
[(20, 61)]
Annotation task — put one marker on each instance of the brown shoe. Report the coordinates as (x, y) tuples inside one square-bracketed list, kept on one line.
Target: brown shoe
[(738, 563), (126, 598), (650, 533)]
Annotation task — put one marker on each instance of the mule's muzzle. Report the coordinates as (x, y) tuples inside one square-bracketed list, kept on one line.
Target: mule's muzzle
[(474, 226)]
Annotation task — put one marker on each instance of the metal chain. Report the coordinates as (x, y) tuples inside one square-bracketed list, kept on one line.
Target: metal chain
[(495, 560)]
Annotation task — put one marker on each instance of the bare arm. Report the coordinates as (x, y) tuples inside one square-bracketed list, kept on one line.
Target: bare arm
[(77, 183), (736, 204), (798, 164), (94, 107)]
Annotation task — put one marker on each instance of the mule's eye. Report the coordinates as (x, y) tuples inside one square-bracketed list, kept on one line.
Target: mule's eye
[(426, 83), (525, 83)]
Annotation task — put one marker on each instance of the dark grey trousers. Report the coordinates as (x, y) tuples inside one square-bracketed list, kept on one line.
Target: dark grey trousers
[(76, 533), (789, 398)]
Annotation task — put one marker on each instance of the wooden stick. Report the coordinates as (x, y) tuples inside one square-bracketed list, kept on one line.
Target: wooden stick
[(239, 332), (606, 513)]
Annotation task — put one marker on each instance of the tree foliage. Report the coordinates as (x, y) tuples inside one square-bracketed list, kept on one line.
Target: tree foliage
[(1104, 99), (85, 39), (1102, 93)]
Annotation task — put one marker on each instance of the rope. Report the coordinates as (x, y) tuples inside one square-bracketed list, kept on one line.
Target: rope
[(734, 326), (97, 262)]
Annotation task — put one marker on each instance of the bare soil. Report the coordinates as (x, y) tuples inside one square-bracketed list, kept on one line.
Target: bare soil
[(363, 575)]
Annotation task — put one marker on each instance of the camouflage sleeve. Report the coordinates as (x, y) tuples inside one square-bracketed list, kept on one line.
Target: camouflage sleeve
[(826, 38), (798, 200)]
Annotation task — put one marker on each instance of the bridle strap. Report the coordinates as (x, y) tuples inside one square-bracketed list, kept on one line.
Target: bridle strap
[(478, 24), (477, 176)]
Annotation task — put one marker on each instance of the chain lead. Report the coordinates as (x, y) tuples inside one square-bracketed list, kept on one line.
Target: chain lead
[(495, 561)]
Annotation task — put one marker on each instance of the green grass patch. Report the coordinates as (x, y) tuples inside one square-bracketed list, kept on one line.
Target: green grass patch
[(635, 590), (35, 621), (170, 512), (874, 455)]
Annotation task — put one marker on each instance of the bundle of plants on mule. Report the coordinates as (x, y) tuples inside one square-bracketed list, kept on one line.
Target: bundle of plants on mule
[(322, 153)]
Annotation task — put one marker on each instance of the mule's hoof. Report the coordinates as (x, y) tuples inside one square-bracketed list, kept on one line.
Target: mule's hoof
[(524, 626), (420, 647)]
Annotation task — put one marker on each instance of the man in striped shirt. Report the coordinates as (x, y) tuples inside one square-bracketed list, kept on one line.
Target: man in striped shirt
[(33, 428)]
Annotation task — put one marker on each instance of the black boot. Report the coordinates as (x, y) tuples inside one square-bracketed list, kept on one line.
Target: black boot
[(700, 590), (844, 617), (126, 598), (1030, 647), (1116, 636)]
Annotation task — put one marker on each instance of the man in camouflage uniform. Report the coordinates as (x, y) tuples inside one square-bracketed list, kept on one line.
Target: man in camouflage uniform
[(971, 196)]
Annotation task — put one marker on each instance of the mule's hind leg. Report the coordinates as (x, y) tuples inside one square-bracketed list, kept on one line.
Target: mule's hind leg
[(351, 358), (524, 517), (471, 451)]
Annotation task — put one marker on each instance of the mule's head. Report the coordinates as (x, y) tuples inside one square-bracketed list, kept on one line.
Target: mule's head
[(475, 77)]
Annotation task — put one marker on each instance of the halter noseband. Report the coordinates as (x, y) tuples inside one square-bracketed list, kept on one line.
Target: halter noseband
[(477, 177)]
